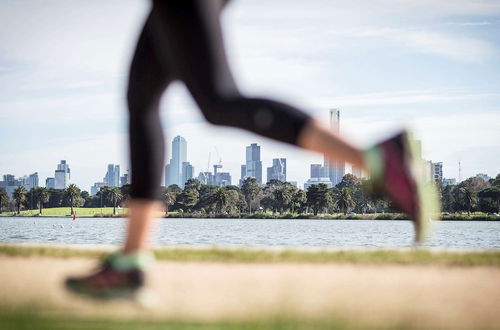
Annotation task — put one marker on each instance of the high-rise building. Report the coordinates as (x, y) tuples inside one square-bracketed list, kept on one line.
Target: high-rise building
[(317, 171), (437, 171), (62, 175), (243, 174), (253, 165), (117, 176), (178, 170), (124, 179), (206, 178), (217, 178), (278, 170), (50, 183), (10, 183), (29, 182), (96, 187), (33, 180), (112, 177), (319, 174), (187, 172), (167, 175), (334, 168), (221, 178)]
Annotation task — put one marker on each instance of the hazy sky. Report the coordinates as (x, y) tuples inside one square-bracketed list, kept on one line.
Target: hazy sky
[(434, 65)]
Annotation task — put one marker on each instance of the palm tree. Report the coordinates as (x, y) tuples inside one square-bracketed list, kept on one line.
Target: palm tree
[(251, 190), (468, 198), (283, 196), (19, 196), (169, 198), (3, 198), (115, 195), (42, 196), (72, 192), (221, 198), (318, 197), (344, 201)]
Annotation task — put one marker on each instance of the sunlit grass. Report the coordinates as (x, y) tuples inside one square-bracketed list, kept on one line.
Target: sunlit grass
[(66, 211), (229, 255)]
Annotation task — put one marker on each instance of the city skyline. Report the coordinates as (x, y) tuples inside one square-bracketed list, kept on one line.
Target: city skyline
[(439, 73), (318, 173)]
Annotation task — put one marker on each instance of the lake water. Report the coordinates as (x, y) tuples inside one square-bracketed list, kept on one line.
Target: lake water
[(320, 233)]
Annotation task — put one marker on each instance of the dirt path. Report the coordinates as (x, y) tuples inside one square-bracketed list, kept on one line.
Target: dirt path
[(428, 296)]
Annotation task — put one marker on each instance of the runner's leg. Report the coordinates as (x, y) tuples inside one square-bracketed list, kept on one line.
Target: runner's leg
[(189, 32), (147, 82)]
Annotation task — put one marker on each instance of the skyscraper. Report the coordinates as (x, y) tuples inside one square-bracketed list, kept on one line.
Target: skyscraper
[(319, 174), (112, 177), (317, 171), (278, 170), (334, 168), (253, 165), (50, 183), (10, 183), (29, 182), (33, 180), (125, 179), (187, 172), (62, 175), (96, 187), (178, 170), (437, 171)]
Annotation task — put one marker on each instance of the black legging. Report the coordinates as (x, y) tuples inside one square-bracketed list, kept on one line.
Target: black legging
[(182, 39)]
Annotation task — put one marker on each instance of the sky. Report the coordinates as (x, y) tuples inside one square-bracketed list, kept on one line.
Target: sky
[(430, 65)]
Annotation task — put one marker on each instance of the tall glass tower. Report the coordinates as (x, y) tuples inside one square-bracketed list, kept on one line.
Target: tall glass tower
[(253, 165), (178, 170), (334, 168), (62, 175)]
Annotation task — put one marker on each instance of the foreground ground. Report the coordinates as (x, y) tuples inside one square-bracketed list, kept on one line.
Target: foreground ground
[(233, 289)]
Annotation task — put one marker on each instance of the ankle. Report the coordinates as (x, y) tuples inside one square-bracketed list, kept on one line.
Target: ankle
[(131, 260)]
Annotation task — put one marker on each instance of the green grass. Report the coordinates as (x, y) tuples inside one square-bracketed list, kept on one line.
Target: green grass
[(400, 257), (66, 211), (32, 318)]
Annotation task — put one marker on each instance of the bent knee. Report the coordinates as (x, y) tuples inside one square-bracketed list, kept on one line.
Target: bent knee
[(216, 109)]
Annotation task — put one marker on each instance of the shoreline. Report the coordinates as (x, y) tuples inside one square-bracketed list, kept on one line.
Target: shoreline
[(265, 216)]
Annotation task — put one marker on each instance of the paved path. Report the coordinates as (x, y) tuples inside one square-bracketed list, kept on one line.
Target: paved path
[(429, 296)]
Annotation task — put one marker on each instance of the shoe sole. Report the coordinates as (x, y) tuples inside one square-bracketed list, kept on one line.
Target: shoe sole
[(427, 195), (126, 294)]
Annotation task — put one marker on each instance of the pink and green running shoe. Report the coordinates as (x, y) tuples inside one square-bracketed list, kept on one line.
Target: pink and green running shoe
[(119, 276), (397, 170)]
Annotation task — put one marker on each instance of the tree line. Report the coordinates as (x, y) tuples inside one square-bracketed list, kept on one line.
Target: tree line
[(350, 195), (41, 197)]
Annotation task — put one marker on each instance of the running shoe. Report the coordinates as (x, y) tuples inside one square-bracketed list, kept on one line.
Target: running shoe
[(116, 277), (397, 170)]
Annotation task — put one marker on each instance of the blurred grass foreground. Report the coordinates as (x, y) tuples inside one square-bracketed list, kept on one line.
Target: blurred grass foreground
[(250, 288)]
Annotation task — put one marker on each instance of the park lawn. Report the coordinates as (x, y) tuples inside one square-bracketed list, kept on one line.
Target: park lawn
[(66, 211)]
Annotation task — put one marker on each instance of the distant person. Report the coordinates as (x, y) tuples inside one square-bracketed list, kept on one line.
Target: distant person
[(182, 40)]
